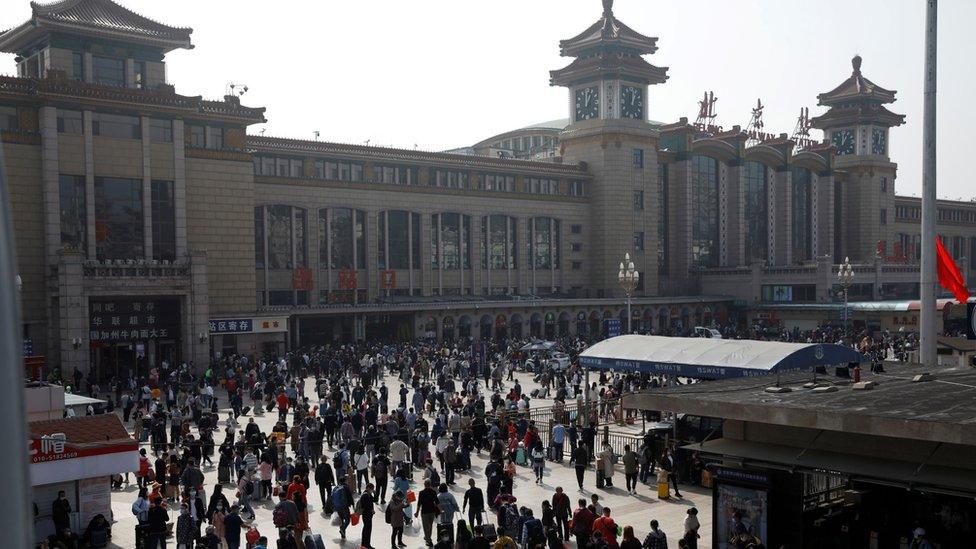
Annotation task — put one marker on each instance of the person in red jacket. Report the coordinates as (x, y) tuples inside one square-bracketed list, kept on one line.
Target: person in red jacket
[(282, 400), (296, 486), (607, 527), (582, 524)]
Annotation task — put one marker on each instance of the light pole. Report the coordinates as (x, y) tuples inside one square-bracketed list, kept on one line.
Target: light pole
[(845, 277), (628, 277)]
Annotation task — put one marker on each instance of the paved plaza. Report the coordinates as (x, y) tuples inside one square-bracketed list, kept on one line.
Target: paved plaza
[(626, 510)]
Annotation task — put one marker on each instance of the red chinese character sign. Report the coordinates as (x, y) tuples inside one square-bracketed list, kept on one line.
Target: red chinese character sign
[(388, 279), (347, 279), (302, 279)]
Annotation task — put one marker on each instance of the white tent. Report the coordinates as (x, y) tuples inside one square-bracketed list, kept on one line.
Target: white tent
[(711, 358)]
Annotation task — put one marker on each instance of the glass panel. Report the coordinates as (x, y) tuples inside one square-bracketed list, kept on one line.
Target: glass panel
[(114, 125), (163, 220), (341, 238), (323, 238), (360, 234), (108, 71), (301, 242), (279, 237), (755, 211), (542, 243), (801, 217), (70, 122), (450, 240), (399, 240), (74, 220), (160, 130), (259, 237), (118, 218), (704, 211)]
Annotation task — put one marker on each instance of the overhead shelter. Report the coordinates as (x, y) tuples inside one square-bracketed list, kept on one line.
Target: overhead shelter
[(706, 358)]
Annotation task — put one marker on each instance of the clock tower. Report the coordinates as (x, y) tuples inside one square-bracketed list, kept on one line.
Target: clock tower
[(607, 82), (857, 125)]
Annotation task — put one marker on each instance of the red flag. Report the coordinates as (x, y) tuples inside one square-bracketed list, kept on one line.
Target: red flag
[(949, 276)]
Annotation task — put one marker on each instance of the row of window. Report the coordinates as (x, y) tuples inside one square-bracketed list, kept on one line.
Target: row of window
[(525, 143), (130, 127), (281, 239), (344, 170), (119, 226), (914, 213)]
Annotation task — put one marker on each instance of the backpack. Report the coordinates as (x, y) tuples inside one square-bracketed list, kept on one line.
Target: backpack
[(249, 488), (280, 517), (338, 497), (379, 468), (435, 477), (537, 535), (337, 462)]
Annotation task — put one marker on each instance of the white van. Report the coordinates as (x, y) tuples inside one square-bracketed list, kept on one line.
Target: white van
[(711, 333)]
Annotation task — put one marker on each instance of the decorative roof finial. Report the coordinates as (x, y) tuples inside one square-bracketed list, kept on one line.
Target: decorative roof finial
[(856, 63), (608, 8)]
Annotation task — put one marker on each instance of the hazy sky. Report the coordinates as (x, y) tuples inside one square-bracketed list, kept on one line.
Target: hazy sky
[(440, 74)]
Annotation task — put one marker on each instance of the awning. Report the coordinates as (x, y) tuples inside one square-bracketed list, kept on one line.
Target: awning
[(867, 469), (539, 346), (707, 358), (71, 399)]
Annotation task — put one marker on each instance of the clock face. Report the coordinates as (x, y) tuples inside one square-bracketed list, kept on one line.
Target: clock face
[(879, 142), (843, 141), (587, 103), (632, 102)]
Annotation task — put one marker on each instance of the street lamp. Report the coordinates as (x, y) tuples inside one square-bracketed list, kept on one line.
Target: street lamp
[(845, 277), (628, 277)]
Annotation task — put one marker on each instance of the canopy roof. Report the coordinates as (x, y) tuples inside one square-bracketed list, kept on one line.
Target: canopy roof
[(857, 87), (608, 32), (539, 346), (708, 358)]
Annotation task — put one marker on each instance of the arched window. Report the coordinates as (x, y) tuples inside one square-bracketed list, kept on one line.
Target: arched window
[(801, 204), (450, 243), (280, 237), (399, 240), (755, 212), (704, 211), (544, 242), (342, 238), (499, 242)]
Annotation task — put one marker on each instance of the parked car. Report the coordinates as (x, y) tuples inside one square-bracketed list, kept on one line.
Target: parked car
[(712, 333)]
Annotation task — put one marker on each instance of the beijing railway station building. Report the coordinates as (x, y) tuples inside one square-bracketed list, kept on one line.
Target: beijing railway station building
[(151, 226)]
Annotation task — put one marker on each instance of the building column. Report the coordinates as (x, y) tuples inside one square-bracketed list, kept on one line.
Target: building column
[(72, 314), (723, 214), (87, 66), (426, 271), (51, 180), (130, 73), (197, 314), (146, 185), (179, 187), (89, 182), (372, 250)]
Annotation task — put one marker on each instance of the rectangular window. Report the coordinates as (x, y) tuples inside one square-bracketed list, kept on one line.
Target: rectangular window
[(163, 220), (704, 211), (577, 188), (577, 265), (215, 138), (577, 247), (108, 71), (198, 136), (638, 200), (70, 122), (639, 158), (884, 216), (77, 65), (139, 74), (160, 130), (575, 229), (9, 119), (296, 167), (639, 240), (115, 125), (74, 217), (884, 184), (259, 237), (118, 218)]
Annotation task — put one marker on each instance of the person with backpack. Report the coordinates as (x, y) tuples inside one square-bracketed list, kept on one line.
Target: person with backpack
[(381, 474), (656, 539), (533, 533), (245, 490), (233, 523), (285, 514), (607, 528), (431, 475), (342, 500), (324, 479), (538, 456)]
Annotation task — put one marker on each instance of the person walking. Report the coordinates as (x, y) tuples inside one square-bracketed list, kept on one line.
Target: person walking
[(396, 517), (157, 519), (474, 502), (605, 460), (324, 479), (427, 509), (582, 524), (233, 523), (561, 509), (366, 509), (538, 461), (448, 505), (669, 464), (631, 468), (342, 500), (691, 529), (607, 528), (580, 458)]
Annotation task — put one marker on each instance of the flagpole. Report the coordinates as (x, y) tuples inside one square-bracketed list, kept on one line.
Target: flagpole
[(927, 334)]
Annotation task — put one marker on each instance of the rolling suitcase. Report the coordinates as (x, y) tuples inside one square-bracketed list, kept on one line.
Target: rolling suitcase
[(489, 530), (314, 541), (245, 410), (600, 481), (663, 491), (445, 529)]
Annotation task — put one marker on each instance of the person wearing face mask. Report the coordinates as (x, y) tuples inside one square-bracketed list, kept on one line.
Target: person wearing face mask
[(61, 512), (217, 500)]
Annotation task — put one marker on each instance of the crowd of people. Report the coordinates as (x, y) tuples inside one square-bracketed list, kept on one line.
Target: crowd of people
[(360, 430)]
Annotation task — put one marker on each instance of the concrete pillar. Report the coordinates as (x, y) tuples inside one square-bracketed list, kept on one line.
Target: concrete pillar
[(197, 313), (89, 180), (72, 314), (146, 184), (51, 180), (179, 187), (130, 73), (87, 65), (372, 249)]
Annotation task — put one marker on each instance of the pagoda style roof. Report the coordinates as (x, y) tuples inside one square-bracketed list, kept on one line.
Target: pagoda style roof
[(858, 113), (94, 18), (608, 33), (609, 65), (856, 88)]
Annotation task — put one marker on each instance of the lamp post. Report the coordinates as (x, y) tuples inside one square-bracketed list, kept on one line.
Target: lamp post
[(628, 277), (845, 277)]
